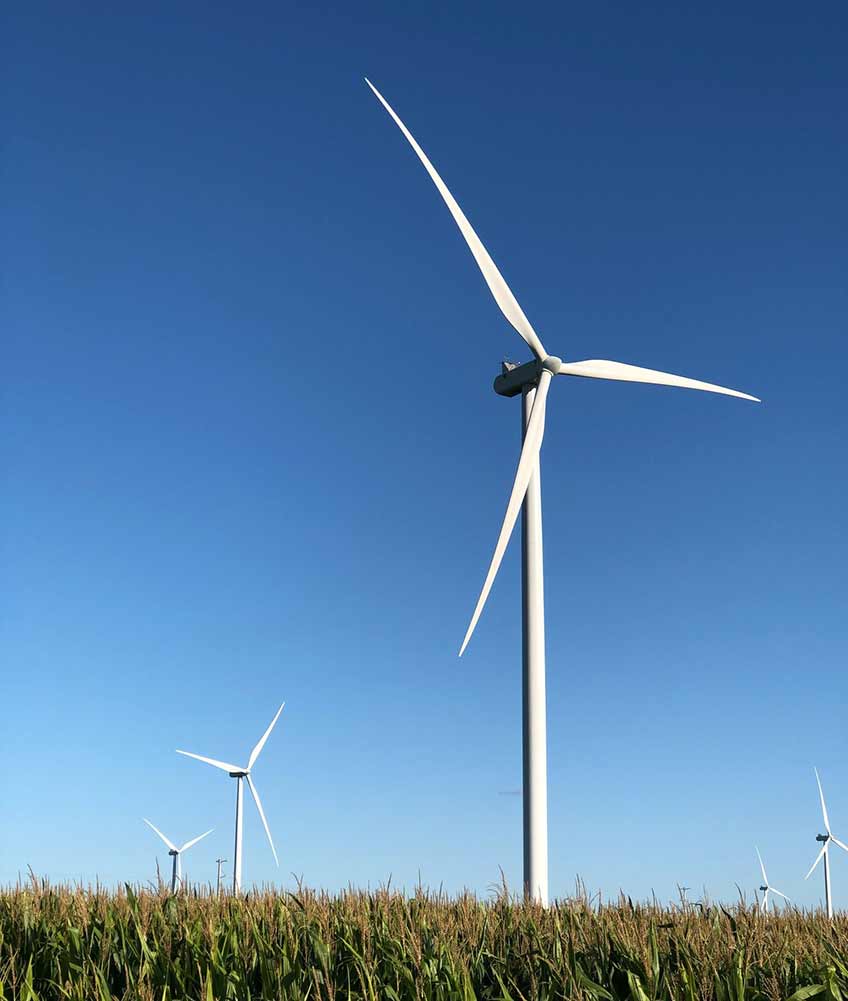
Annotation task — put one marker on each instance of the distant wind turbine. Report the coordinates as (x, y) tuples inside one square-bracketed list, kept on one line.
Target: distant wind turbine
[(766, 888), (238, 773), (532, 380), (176, 853), (823, 854)]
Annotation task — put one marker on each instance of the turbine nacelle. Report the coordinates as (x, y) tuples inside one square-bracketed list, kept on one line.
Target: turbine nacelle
[(514, 378)]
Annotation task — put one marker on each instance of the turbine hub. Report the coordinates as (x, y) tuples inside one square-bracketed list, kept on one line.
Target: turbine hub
[(552, 364)]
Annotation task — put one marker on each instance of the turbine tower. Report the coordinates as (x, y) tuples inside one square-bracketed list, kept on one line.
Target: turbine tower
[(176, 853), (532, 380), (823, 854), (765, 887), (240, 773)]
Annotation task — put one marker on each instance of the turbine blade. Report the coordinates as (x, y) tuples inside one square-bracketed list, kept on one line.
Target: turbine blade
[(170, 844), (527, 463), (824, 808), (818, 859), (258, 802), (762, 867), (841, 844), (600, 368), (254, 754), (765, 900), (223, 765), (194, 841), (494, 279), (780, 894)]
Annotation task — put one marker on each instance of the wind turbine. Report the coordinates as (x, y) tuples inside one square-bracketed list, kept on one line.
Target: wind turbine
[(823, 854), (765, 887), (240, 773), (175, 853), (532, 380)]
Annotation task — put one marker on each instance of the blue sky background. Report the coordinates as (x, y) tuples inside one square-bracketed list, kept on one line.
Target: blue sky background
[(250, 449)]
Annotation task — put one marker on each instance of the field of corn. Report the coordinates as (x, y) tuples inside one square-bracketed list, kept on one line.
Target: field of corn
[(97, 945)]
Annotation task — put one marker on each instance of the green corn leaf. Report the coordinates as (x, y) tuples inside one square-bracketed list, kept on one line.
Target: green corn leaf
[(636, 990), (594, 989), (810, 991)]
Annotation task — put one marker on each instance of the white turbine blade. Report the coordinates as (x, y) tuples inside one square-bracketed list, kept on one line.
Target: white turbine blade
[(780, 894), (258, 802), (600, 368), (824, 808), (818, 859), (170, 844), (841, 844), (762, 867), (223, 765), (194, 841), (494, 279), (765, 900), (254, 754), (526, 464)]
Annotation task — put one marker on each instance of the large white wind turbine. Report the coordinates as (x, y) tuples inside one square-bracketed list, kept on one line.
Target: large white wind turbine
[(532, 380), (239, 773), (823, 854), (175, 853), (766, 888)]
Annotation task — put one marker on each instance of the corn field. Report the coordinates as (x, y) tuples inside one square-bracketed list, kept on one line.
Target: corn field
[(94, 945)]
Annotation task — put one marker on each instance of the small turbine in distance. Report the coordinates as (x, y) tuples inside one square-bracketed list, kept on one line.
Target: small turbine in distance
[(238, 773), (766, 888), (175, 853), (823, 854)]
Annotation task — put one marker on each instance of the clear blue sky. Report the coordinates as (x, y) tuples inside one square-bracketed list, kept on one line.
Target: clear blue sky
[(250, 449)]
